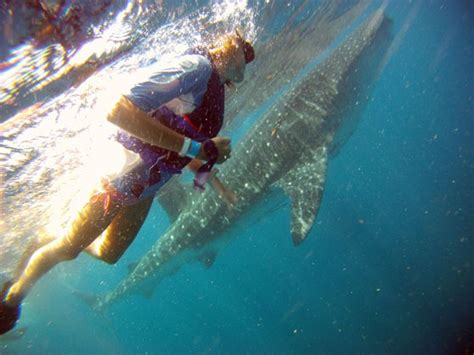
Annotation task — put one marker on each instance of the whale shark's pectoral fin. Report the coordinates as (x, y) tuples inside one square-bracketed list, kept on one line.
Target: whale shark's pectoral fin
[(304, 184), (208, 258), (147, 291), (173, 198)]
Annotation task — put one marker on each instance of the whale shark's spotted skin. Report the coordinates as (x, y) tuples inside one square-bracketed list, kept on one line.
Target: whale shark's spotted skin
[(288, 148)]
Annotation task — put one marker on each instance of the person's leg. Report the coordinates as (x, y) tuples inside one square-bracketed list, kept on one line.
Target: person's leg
[(121, 232), (34, 245), (91, 221)]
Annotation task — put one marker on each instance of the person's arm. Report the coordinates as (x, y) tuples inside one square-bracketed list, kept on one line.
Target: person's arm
[(140, 124), (169, 80), (187, 74)]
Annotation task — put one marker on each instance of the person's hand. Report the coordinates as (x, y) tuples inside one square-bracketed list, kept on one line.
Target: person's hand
[(228, 195), (223, 147)]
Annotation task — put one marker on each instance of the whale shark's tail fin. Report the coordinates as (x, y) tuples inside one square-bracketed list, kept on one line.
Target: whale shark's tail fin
[(14, 335)]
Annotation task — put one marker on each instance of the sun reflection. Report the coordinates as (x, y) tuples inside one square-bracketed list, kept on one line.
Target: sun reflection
[(55, 153), (102, 159), (30, 69)]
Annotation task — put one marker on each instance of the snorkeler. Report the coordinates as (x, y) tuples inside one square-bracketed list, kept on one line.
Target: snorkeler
[(170, 121)]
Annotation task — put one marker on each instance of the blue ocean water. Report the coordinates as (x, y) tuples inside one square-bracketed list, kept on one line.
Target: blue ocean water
[(387, 268)]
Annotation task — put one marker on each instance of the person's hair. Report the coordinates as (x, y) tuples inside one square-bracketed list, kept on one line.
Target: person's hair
[(223, 46), (226, 44)]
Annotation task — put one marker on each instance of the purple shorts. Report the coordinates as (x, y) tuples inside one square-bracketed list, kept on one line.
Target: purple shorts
[(139, 175)]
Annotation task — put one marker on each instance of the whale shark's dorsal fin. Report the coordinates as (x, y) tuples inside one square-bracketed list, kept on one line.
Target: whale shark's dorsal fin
[(304, 184)]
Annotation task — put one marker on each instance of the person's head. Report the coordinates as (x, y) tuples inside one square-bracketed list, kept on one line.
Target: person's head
[(231, 56)]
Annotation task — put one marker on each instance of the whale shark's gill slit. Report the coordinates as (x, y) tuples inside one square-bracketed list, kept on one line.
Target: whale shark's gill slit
[(297, 114), (310, 103)]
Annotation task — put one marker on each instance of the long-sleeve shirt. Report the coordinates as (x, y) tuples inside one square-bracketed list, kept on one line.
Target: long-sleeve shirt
[(179, 85)]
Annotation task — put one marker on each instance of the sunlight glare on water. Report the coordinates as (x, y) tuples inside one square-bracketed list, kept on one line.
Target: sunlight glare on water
[(54, 155)]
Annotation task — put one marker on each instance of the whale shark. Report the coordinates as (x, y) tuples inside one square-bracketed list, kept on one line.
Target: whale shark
[(286, 150)]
